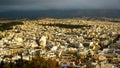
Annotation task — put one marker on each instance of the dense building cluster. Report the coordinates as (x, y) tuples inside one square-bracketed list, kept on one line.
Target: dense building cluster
[(70, 42)]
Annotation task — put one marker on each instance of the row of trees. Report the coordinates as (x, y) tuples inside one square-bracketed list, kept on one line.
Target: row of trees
[(37, 62)]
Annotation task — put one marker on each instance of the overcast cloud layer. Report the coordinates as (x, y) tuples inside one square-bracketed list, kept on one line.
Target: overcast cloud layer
[(58, 4)]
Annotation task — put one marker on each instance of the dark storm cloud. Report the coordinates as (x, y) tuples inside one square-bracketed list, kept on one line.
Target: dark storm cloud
[(58, 4), (11, 2)]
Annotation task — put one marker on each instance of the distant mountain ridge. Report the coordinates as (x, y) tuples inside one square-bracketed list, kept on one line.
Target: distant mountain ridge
[(15, 14)]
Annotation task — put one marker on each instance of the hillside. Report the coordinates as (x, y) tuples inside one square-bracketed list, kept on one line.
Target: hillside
[(73, 42)]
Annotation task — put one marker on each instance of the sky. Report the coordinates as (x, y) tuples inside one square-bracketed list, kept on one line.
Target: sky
[(58, 4)]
